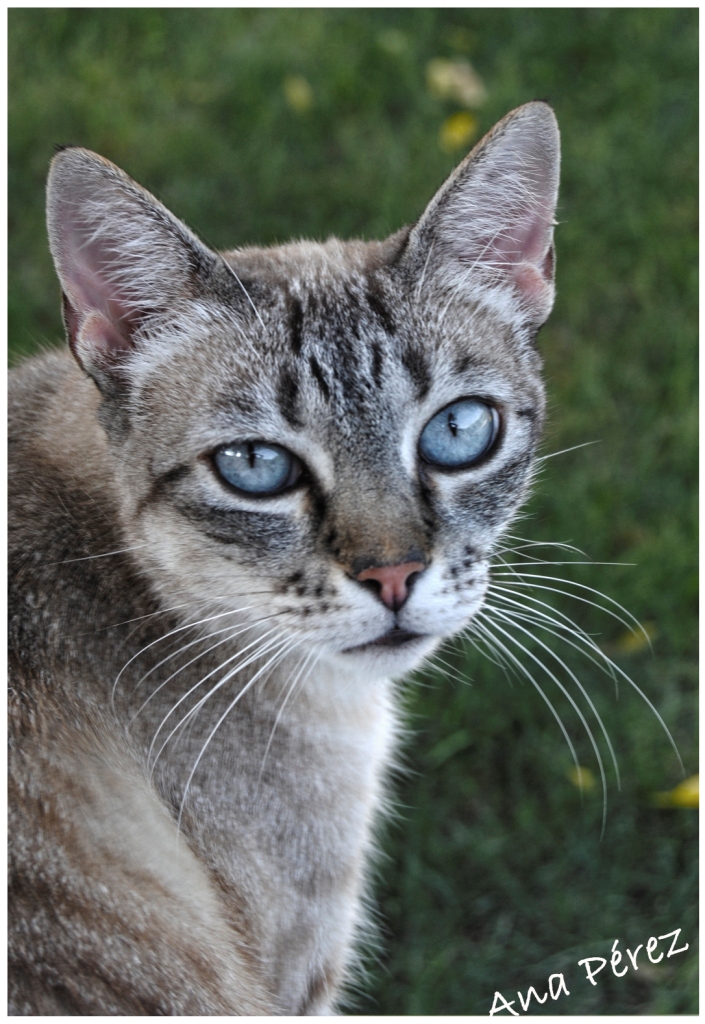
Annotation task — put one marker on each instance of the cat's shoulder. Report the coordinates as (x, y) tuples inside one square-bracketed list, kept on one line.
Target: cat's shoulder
[(35, 381), (54, 431)]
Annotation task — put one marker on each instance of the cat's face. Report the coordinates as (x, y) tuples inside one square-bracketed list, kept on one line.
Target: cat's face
[(328, 437)]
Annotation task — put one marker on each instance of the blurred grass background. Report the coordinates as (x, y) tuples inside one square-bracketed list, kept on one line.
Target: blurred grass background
[(259, 125)]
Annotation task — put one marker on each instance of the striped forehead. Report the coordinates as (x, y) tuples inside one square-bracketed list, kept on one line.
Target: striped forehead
[(347, 343)]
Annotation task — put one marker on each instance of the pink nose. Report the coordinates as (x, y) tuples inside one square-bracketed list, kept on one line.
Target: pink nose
[(393, 580)]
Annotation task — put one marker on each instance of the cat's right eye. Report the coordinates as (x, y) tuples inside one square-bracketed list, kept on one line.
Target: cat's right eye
[(257, 467), (458, 436)]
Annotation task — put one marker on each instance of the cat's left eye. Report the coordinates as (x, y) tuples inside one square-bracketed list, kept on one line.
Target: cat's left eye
[(459, 435), (257, 467)]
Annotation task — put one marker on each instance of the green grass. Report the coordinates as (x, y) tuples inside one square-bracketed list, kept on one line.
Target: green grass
[(495, 875)]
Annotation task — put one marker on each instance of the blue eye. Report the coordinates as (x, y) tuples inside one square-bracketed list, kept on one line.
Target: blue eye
[(460, 434), (257, 467)]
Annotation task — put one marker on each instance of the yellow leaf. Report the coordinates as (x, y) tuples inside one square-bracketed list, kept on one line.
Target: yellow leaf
[(298, 93), (686, 794), (457, 131), (634, 640), (581, 777), (455, 80)]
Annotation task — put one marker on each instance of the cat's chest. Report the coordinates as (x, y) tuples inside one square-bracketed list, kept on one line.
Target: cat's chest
[(302, 786), (281, 810)]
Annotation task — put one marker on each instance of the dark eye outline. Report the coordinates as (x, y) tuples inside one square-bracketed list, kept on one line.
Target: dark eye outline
[(492, 444), (298, 474)]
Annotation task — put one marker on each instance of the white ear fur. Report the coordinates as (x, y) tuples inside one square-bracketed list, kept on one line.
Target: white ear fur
[(121, 257), (490, 227)]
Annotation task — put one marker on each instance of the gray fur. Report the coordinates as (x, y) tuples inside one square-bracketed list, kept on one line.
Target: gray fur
[(222, 870)]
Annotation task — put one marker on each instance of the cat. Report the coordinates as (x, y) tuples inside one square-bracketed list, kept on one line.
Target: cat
[(256, 488)]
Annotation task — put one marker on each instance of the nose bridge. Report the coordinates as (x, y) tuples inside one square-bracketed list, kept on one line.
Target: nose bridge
[(378, 522)]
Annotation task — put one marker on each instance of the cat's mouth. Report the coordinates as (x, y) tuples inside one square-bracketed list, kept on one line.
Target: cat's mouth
[(394, 637)]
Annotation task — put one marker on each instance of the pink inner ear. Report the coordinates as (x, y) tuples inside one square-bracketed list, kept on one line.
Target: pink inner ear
[(87, 274), (530, 282), (523, 251), (548, 267), (526, 241), (100, 339)]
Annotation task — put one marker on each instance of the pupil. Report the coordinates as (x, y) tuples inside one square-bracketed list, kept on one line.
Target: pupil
[(251, 455), (452, 424)]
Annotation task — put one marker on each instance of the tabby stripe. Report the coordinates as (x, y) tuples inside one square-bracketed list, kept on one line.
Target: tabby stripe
[(377, 364), (288, 398), (378, 307), (319, 377), (296, 320), (257, 532), (415, 362), (163, 485)]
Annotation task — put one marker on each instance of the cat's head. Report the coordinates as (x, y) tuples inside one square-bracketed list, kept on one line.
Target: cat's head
[(328, 437)]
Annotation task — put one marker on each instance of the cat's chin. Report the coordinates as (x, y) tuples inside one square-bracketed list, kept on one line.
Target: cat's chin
[(395, 637), (393, 653)]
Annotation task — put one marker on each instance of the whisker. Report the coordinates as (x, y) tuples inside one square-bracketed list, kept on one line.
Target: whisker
[(127, 622), (542, 458), (105, 554), (247, 294), (562, 545), (573, 704), (189, 718), (166, 611), (537, 618), (200, 682), (173, 632), (530, 542), (448, 670), (277, 656), (500, 592), (572, 561), (605, 663), (177, 652), (310, 661), (224, 640), (198, 640), (496, 657), (483, 628), (522, 577), (512, 617)]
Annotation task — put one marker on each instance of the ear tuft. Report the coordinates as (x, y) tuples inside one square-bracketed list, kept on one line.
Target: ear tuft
[(490, 227)]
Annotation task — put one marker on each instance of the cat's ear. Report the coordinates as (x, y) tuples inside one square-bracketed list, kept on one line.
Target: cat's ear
[(489, 230), (121, 257)]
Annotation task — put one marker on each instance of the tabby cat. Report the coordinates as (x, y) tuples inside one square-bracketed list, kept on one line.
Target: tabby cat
[(261, 485)]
